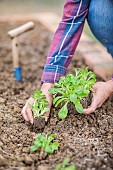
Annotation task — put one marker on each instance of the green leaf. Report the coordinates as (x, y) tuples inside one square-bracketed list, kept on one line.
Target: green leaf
[(91, 82), (65, 162), (84, 93), (33, 148), (73, 97), (56, 84), (45, 110), (54, 146), (44, 102), (57, 98), (58, 167), (51, 137), (79, 90), (60, 101), (78, 106), (63, 112), (38, 95), (37, 143), (55, 90), (71, 167), (48, 149), (41, 138)]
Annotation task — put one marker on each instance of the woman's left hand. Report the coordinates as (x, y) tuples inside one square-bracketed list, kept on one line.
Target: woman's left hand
[(102, 90)]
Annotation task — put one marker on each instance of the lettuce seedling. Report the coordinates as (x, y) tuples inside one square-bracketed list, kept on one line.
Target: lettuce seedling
[(39, 107), (45, 143), (72, 88), (63, 165)]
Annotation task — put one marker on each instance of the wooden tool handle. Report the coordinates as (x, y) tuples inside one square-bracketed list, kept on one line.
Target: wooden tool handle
[(18, 31), (15, 51)]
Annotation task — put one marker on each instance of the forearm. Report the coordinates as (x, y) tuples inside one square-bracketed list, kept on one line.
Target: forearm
[(65, 40)]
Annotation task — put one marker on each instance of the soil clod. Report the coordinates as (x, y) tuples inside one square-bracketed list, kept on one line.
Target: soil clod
[(39, 123)]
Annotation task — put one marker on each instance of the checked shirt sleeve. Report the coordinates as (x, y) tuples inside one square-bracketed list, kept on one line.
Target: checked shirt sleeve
[(65, 40)]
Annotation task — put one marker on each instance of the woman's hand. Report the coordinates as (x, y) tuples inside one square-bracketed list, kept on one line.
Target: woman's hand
[(102, 90), (26, 111)]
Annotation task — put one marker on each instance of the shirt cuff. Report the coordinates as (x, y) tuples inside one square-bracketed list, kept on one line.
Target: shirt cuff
[(52, 73)]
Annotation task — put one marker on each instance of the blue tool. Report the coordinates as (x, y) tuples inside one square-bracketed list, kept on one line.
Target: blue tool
[(18, 74), (15, 47)]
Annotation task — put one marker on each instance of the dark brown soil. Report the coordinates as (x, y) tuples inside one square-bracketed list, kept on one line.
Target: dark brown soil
[(38, 123), (87, 140)]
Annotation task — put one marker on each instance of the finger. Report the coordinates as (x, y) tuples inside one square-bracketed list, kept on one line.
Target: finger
[(29, 115), (24, 114), (92, 108), (47, 115), (30, 101), (49, 99), (94, 86), (100, 104)]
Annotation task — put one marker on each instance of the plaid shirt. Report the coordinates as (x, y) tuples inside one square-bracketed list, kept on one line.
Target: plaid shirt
[(65, 40)]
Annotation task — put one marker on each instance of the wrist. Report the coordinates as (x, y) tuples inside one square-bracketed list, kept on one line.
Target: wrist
[(47, 85)]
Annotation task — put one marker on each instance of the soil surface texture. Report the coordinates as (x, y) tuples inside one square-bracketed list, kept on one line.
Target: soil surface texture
[(86, 140)]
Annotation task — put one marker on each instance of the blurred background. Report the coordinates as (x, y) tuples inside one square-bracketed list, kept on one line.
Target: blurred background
[(11, 7)]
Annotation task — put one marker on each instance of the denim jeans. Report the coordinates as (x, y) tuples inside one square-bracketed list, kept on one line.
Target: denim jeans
[(100, 20)]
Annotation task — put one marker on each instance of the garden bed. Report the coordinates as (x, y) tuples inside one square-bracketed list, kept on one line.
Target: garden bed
[(87, 140)]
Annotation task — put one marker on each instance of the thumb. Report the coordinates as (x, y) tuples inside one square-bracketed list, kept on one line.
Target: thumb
[(92, 107)]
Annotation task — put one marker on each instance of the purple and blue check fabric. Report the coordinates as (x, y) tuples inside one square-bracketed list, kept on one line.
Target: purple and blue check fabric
[(65, 40)]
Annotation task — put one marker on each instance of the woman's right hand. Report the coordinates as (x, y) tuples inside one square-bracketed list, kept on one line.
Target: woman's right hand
[(26, 111)]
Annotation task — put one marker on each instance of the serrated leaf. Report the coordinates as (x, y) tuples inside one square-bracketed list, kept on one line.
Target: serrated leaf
[(63, 112)]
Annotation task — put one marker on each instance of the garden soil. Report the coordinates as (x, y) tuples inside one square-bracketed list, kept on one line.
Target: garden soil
[(86, 140)]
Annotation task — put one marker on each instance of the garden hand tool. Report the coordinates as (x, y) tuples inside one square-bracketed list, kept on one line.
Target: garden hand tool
[(14, 34)]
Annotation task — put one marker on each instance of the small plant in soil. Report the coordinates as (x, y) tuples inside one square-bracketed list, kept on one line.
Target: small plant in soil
[(39, 107), (64, 165), (45, 144), (72, 88)]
